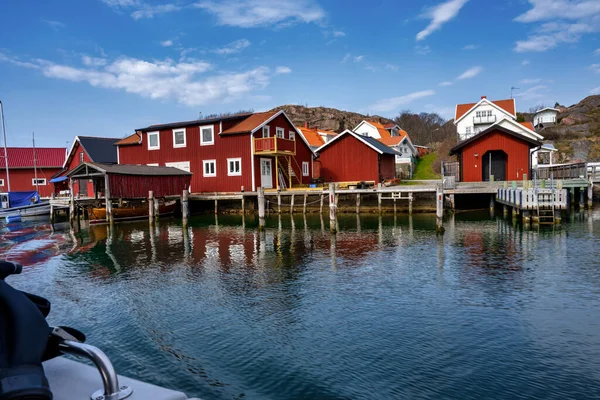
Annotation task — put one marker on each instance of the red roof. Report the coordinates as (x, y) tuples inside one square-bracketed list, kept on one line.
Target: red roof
[(527, 125), (506, 105), (22, 157), (249, 124), (312, 137), (129, 140), (386, 136)]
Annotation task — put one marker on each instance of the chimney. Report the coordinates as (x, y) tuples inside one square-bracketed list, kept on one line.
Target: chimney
[(483, 97), (306, 124)]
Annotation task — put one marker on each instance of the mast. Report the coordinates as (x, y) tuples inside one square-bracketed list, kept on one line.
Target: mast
[(5, 150), (37, 186)]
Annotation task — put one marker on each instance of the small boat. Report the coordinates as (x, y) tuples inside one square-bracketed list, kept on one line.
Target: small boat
[(98, 214), (22, 205)]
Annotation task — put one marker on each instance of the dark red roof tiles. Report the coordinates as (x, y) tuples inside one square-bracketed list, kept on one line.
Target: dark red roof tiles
[(22, 157)]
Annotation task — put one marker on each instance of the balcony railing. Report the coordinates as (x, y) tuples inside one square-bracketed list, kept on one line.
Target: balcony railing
[(488, 119), (274, 145)]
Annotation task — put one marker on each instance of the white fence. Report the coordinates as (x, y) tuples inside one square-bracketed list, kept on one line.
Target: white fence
[(532, 198)]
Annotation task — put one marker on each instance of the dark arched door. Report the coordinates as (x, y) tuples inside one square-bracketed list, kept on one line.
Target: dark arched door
[(494, 163)]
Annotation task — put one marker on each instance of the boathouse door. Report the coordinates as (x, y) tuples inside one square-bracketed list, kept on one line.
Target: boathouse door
[(494, 163), (266, 173)]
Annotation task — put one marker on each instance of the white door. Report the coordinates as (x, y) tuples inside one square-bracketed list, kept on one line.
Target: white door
[(266, 173), (183, 165)]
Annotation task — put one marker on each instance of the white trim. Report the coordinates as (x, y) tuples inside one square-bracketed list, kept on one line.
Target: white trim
[(546, 109), (278, 130), (220, 127), (489, 103), (253, 160), (153, 165), (270, 160), (305, 163), (364, 121), (1, 182), (278, 113), (41, 181), (292, 135), (70, 151), (118, 157), (175, 145), (518, 125), (356, 135), (212, 129), (298, 132), (209, 175), (234, 159), (157, 133)]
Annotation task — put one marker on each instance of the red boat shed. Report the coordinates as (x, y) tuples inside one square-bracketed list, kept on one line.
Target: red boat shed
[(499, 151), (351, 157), (226, 154), (22, 168)]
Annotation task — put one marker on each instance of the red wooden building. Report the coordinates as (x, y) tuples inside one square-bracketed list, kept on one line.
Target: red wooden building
[(22, 168), (351, 157), (499, 151), (88, 149), (226, 154)]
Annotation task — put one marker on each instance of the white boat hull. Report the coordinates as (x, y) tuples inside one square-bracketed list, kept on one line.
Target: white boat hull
[(34, 210)]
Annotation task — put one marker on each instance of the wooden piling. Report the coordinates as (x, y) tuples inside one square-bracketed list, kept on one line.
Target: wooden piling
[(120, 202), (439, 209), (156, 209), (492, 203), (379, 197), (358, 203), (185, 210), (590, 193), (581, 199), (322, 198), (278, 202), (151, 207), (332, 208), (305, 199), (292, 204), (452, 202), (394, 205), (410, 203), (216, 206), (109, 213), (71, 204), (261, 208), (243, 204)]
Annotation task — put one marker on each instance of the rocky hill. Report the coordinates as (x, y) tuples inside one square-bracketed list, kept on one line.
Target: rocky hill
[(577, 133), (327, 118)]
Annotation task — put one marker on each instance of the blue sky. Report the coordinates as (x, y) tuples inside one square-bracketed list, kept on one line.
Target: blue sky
[(106, 67)]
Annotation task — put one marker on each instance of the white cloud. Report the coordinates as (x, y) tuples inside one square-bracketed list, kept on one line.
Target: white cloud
[(270, 13), (533, 93), (166, 43), (447, 83), (470, 73), (163, 80), (597, 52), (339, 34), (422, 50), (391, 67), (346, 58), (595, 68), (358, 59), (595, 90), (525, 62), (233, 47), (439, 15), (583, 17), (470, 47), (56, 25), (93, 61), (121, 3), (394, 103), (282, 70), (147, 11), (530, 81)]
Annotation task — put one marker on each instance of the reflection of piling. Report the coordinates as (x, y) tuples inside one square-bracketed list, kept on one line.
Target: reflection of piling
[(332, 208), (305, 199), (590, 193), (379, 198), (261, 208), (292, 204), (151, 207), (185, 210), (439, 209), (156, 209)]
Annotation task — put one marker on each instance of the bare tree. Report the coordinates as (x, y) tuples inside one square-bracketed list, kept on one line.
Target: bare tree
[(425, 128), (536, 108)]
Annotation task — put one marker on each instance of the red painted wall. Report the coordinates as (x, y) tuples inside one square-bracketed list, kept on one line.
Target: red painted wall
[(349, 159), (21, 180), (129, 186), (224, 147), (74, 162), (516, 149)]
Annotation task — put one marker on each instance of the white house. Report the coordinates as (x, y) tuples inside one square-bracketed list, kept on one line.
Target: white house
[(544, 117), (472, 118), (393, 136)]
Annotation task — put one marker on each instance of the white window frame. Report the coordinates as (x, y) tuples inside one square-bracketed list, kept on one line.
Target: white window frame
[(233, 160), (81, 157), (42, 181), (280, 133), (153, 165), (305, 168), (489, 113), (212, 130), (292, 135), (267, 129), (157, 147), (209, 175), (175, 145), (1, 182), (468, 129)]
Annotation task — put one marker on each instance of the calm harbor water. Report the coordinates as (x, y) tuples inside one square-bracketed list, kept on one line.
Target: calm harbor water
[(384, 310)]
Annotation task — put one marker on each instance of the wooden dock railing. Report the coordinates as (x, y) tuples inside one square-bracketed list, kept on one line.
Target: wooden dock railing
[(562, 171)]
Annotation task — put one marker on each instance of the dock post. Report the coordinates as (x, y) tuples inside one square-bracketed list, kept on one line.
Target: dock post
[(120, 202), (151, 207), (526, 217), (261, 208), (332, 210), (278, 203), (52, 210), (358, 203), (71, 205), (590, 193), (322, 198), (492, 204), (305, 199), (410, 203), (379, 197), (505, 210), (109, 213), (243, 204), (394, 205), (216, 206), (452, 202), (292, 204), (581, 202), (572, 199), (439, 228), (185, 210)]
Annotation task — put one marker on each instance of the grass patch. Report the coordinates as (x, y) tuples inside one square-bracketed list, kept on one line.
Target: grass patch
[(424, 167)]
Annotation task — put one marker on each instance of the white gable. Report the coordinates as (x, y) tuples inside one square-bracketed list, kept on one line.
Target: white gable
[(366, 129), (480, 117), (517, 127)]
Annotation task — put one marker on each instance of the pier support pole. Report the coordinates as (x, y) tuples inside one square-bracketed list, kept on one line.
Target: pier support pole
[(216, 206), (581, 200), (278, 203), (492, 203), (358, 203), (322, 198), (379, 197), (243, 204), (505, 210), (52, 210), (109, 213), (526, 217), (410, 203), (452, 202), (292, 204), (185, 210), (332, 208), (305, 199), (151, 207), (261, 208), (572, 199), (439, 228), (71, 204), (394, 205), (590, 193)]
